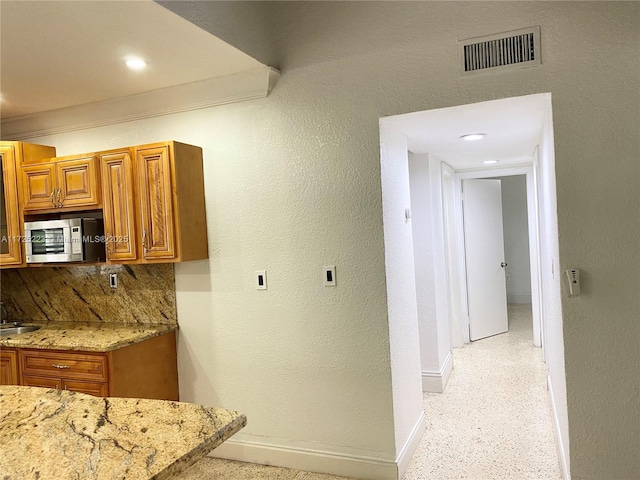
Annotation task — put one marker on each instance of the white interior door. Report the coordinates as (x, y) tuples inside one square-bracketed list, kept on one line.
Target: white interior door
[(484, 252)]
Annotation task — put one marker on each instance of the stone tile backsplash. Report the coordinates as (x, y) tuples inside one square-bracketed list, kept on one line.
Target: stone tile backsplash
[(145, 294)]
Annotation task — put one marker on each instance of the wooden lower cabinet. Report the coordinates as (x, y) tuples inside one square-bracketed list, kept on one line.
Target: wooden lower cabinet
[(91, 388), (9, 367), (146, 369), (43, 382)]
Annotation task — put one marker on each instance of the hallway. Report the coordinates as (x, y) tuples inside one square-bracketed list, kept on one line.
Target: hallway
[(494, 420)]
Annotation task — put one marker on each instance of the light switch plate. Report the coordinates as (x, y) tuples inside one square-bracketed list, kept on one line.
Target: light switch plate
[(329, 275), (261, 279)]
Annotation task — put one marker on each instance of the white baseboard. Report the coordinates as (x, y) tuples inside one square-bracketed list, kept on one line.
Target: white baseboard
[(518, 298), (410, 447), (435, 382), (351, 466), (564, 461)]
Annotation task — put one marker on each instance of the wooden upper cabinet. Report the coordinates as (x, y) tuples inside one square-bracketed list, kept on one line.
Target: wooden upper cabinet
[(10, 218), (61, 184), (151, 197), (156, 203), (12, 156), (78, 182), (171, 203), (118, 197), (39, 186)]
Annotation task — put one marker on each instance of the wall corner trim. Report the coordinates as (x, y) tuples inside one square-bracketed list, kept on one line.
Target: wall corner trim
[(165, 101), (436, 381), (344, 465), (410, 447), (564, 461)]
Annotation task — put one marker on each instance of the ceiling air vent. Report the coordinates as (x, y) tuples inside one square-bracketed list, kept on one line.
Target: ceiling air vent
[(503, 51)]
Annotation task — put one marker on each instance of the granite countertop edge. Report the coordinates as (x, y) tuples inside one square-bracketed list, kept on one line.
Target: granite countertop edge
[(86, 337), (197, 454), (106, 438)]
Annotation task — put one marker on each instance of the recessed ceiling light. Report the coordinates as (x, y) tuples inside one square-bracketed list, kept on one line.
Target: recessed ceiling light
[(473, 136), (490, 162), (135, 63)]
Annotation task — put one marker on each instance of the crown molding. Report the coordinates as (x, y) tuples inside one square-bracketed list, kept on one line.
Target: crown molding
[(180, 98)]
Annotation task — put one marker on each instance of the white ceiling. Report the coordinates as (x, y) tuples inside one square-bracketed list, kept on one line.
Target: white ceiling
[(513, 127), (59, 54)]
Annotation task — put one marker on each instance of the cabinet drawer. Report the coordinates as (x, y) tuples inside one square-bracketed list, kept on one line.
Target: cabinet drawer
[(82, 366)]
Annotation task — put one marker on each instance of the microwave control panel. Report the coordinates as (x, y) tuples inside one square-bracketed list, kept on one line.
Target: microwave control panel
[(76, 240)]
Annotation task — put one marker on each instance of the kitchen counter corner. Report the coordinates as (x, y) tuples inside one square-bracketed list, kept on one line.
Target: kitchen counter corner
[(53, 434)]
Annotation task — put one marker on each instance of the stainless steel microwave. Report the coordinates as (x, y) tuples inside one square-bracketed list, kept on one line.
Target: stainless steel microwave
[(68, 240)]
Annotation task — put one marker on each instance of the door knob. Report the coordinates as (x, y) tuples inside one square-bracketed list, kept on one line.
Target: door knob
[(503, 264)]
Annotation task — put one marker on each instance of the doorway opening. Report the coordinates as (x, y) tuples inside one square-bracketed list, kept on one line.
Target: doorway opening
[(424, 160), (520, 263)]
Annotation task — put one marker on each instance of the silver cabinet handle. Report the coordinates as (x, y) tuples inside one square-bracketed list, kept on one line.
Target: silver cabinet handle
[(503, 264), (53, 192), (55, 365), (58, 197)]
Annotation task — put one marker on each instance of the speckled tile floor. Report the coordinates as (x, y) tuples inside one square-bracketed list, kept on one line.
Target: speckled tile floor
[(492, 422), (494, 419)]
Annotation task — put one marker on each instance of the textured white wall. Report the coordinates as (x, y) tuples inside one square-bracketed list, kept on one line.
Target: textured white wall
[(421, 228), (309, 371), (427, 221), (293, 182), (553, 340), (401, 286), (516, 238)]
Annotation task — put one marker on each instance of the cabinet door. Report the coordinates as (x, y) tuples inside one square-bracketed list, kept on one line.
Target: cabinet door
[(38, 186), (8, 367), (10, 244), (44, 382), (118, 205), (156, 203), (77, 183), (91, 388)]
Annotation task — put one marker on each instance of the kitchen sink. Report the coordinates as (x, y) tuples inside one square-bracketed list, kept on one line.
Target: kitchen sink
[(16, 329)]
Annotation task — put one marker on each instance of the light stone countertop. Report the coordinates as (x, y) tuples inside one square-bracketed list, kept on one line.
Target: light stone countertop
[(88, 337), (51, 434)]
